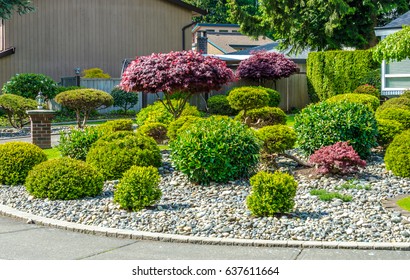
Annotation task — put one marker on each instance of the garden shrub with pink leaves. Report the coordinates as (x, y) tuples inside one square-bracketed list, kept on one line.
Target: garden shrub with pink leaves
[(339, 158)]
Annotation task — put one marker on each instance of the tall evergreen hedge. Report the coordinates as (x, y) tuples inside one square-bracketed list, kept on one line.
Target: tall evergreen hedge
[(335, 72)]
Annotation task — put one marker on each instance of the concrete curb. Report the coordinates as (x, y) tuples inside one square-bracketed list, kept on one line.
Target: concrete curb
[(141, 235)]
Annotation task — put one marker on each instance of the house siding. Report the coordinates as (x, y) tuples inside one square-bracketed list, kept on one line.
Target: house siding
[(63, 34)]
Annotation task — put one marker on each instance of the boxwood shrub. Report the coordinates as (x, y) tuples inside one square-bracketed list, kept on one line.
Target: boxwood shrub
[(219, 105), (276, 138), (158, 131), (396, 102), (247, 98), (368, 89), (179, 125), (395, 114), (366, 99), (388, 129), (261, 117), (397, 157)]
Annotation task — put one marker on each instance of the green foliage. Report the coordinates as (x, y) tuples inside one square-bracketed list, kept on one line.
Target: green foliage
[(271, 193), (397, 157), (261, 117), (397, 102), (116, 125), (158, 113), (353, 185), (113, 154), (95, 73), (16, 160), (406, 94), (246, 98), (395, 114), (395, 47), (60, 89), (336, 72), (368, 89), (215, 149), (404, 203), (274, 97), (84, 101), (324, 195), (366, 99), (15, 108), (180, 125), (124, 99), (219, 105), (158, 131), (138, 188), (388, 129), (373, 78), (20, 6), (29, 84), (64, 178), (325, 123), (276, 138)]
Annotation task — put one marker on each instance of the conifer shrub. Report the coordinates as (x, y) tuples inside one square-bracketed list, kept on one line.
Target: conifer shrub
[(324, 124), (138, 188), (271, 193), (15, 107), (339, 158), (274, 97), (388, 129), (158, 131), (64, 178), (406, 94), (179, 125), (368, 89), (116, 125), (261, 117), (366, 99), (276, 138), (397, 157), (216, 149), (219, 105), (95, 73), (247, 98), (114, 154), (396, 102), (16, 160), (395, 114)]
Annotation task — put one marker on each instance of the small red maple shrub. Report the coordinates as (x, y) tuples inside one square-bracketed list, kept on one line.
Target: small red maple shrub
[(339, 158)]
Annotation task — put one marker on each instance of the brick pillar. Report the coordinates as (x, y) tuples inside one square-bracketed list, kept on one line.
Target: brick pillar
[(41, 127)]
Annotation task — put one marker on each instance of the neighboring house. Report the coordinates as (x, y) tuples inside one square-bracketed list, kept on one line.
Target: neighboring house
[(395, 76), (65, 34), (224, 38)]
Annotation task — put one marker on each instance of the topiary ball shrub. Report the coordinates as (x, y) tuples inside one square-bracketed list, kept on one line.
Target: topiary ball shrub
[(368, 89), (158, 131), (16, 160), (219, 105), (138, 188), (116, 125), (29, 84), (179, 125), (276, 138), (366, 99), (261, 117), (339, 158), (396, 102), (271, 193), (325, 124), (397, 157), (95, 73), (246, 98), (388, 129), (114, 154), (406, 94), (395, 114), (274, 97), (64, 178), (216, 149)]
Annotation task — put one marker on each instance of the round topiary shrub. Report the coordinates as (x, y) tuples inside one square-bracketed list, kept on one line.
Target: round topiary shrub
[(397, 157), (366, 99), (395, 114), (216, 149), (116, 125), (64, 178), (406, 94), (368, 89), (388, 129), (28, 85), (261, 117), (113, 154), (274, 96), (138, 188), (276, 138), (396, 102), (16, 160), (325, 123), (179, 125), (95, 73), (246, 98), (271, 193), (219, 105), (158, 131)]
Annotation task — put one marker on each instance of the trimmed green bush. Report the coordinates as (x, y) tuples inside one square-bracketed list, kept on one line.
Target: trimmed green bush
[(219, 105), (368, 89), (216, 149), (274, 96), (276, 138), (325, 123), (16, 160), (397, 102), (16, 108), (28, 85), (64, 178), (179, 125), (116, 125), (388, 129), (138, 188), (395, 114), (397, 157), (95, 73), (336, 72), (113, 154), (406, 94), (366, 99), (247, 98), (261, 117), (124, 99), (158, 131), (271, 193)]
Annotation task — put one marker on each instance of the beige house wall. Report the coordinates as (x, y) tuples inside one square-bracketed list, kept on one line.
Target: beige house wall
[(213, 50), (64, 34)]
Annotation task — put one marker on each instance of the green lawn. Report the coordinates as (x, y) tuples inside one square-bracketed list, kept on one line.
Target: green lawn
[(404, 203)]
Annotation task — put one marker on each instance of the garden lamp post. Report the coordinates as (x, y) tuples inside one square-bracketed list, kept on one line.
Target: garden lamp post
[(77, 71), (40, 100)]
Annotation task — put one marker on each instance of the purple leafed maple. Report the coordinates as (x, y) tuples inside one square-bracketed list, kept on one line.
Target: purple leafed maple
[(339, 158), (266, 66)]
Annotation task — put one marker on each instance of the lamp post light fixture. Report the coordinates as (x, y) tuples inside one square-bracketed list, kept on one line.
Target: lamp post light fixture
[(77, 71), (40, 100)]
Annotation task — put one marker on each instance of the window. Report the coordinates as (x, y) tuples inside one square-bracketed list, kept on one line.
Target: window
[(223, 30), (210, 30), (396, 75)]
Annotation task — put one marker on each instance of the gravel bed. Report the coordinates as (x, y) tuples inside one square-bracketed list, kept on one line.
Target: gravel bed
[(219, 210), (6, 133)]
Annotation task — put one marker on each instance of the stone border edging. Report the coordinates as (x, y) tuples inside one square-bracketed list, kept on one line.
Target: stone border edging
[(165, 237)]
